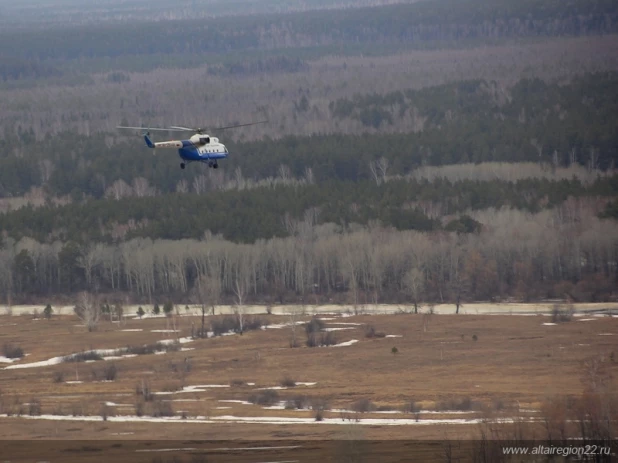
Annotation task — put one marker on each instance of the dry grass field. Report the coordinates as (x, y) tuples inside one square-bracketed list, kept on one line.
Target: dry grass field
[(455, 369)]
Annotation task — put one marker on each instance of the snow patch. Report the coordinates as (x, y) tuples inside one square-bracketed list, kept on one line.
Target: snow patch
[(550, 324), (133, 329), (119, 357), (173, 341), (183, 449), (347, 343), (196, 388), (394, 336), (261, 420), (7, 360), (42, 363)]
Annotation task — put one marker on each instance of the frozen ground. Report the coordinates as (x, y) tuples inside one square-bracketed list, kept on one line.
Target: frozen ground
[(470, 309), (265, 420)]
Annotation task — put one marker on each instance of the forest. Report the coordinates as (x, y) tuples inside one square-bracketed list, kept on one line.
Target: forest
[(430, 151)]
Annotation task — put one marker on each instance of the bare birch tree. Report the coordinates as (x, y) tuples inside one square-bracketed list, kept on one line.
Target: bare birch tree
[(414, 282), (88, 310), (209, 294)]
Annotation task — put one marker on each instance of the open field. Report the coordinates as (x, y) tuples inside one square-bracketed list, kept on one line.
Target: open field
[(456, 370)]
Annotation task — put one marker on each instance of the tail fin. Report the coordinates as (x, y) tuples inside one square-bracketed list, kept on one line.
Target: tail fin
[(148, 141)]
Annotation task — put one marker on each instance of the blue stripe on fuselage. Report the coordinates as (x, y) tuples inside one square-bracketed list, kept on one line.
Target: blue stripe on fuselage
[(189, 154)]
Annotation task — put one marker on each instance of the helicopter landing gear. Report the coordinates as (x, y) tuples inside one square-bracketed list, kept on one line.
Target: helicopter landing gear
[(182, 165), (210, 164), (215, 165)]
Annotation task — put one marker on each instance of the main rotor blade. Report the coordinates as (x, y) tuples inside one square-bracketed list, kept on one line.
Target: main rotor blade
[(175, 127), (147, 128), (240, 125)]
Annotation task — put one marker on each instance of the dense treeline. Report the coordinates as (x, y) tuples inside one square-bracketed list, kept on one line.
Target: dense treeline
[(470, 121), (23, 14), (515, 254), (416, 23), (245, 215)]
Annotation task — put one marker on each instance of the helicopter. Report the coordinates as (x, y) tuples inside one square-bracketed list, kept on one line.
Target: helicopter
[(200, 147)]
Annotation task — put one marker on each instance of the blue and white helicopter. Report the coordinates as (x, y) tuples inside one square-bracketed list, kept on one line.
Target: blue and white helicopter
[(201, 147)]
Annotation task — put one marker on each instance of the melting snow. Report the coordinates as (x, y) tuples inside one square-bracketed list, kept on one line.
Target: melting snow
[(261, 420), (197, 388), (347, 343), (183, 449), (242, 402), (42, 363)]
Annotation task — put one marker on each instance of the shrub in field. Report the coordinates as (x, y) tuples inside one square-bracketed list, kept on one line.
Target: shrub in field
[(314, 326), (370, 332), (328, 339), (287, 382), (561, 314), (168, 308), (139, 407), (82, 357), (265, 398), (34, 407), (461, 404), (254, 323), (160, 408), (363, 406), (411, 407), (58, 376), (225, 324), (317, 339), (144, 390), (12, 351), (48, 311), (318, 403), (110, 372)]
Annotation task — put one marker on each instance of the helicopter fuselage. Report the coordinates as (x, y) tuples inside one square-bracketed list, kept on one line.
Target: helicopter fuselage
[(198, 148)]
